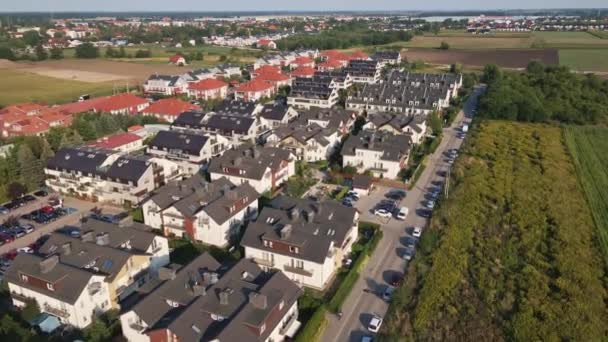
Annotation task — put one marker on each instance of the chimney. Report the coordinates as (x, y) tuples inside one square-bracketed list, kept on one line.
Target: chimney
[(256, 153), (294, 214), (209, 278), (258, 300), (66, 248), (49, 263), (285, 232), (87, 237), (166, 273), (102, 239), (310, 216), (224, 296)]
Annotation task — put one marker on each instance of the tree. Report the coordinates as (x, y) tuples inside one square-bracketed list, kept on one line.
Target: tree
[(47, 152), (223, 58), (15, 190), (491, 73), (121, 52), (536, 68), (143, 54), (30, 310), (87, 51), (41, 54), (444, 46), (7, 53), (110, 52), (31, 38), (30, 168), (456, 68), (56, 53), (435, 123)]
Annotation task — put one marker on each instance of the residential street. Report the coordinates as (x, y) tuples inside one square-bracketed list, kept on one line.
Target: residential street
[(387, 259)]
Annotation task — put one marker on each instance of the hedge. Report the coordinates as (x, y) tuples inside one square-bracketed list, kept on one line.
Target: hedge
[(315, 326), (340, 194)]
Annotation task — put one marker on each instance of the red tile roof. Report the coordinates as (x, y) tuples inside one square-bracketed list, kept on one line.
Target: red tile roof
[(120, 101), (207, 84), (302, 60), (80, 107), (116, 140), (28, 126), (303, 71), (332, 63), (266, 69), (254, 85), (23, 108), (175, 58), (172, 107), (273, 77), (134, 128), (264, 41)]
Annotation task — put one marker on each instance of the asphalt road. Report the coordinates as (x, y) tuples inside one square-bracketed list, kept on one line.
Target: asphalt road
[(387, 259)]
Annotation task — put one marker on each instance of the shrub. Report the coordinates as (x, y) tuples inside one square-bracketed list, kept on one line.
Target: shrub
[(315, 326)]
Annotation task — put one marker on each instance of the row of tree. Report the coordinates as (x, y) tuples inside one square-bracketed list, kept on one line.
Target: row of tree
[(544, 93)]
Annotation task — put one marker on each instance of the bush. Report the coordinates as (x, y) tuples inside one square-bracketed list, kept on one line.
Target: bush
[(335, 304), (87, 50), (341, 193), (315, 326), (444, 46)]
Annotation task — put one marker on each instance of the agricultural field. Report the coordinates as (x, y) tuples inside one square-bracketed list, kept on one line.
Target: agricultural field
[(588, 146), (469, 42), (512, 254), (600, 34), (584, 59), (461, 33), (479, 58), (21, 86), (568, 40)]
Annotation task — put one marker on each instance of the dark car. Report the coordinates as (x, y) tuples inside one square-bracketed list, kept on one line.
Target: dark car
[(28, 198), (11, 205), (396, 280), (41, 193), (425, 213)]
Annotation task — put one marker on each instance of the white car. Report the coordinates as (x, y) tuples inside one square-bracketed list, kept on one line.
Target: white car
[(382, 213), (430, 204), (375, 323), (402, 214), (27, 250), (417, 232)]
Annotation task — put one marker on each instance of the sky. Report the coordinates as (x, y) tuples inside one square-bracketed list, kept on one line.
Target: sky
[(285, 5)]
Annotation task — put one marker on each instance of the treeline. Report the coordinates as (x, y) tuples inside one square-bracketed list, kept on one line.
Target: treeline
[(544, 93), (343, 37), (24, 163), (512, 254)]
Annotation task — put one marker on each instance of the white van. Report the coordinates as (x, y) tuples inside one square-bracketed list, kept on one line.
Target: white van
[(402, 214)]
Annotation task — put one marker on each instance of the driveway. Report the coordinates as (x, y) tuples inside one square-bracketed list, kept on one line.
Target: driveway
[(387, 261)]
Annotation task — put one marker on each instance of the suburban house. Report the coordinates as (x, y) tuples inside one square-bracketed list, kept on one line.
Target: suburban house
[(276, 78), (405, 92), (165, 85), (238, 108), (107, 176), (265, 69), (72, 294), (387, 57), (236, 123), (414, 126), (266, 43), (318, 91), (207, 301), (209, 212), (362, 184), (364, 71), (16, 124), (381, 152), (190, 150), (189, 120), (308, 142), (178, 60), (168, 109), (302, 62), (264, 168), (303, 72), (305, 239), (340, 79), (330, 65), (339, 119), (208, 89), (277, 114), (77, 278), (125, 103), (254, 90), (120, 142)]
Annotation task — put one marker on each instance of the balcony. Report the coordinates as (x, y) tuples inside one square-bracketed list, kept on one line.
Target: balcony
[(264, 262), (57, 312), (296, 270), (137, 327), (290, 326)]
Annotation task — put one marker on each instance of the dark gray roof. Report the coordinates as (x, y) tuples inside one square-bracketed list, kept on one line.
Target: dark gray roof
[(362, 68), (127, 169), (302, 132), (236, 108), (226, 124), (362, 181), (190, 119), (84, 159), (395, 120), (251, 160), (69, 282), (386, 55), (167, 78), (314, 226), (332, 117), (274, 111), (393, 146), (316, 87), (177, 140), (138, 238), (165, 196)]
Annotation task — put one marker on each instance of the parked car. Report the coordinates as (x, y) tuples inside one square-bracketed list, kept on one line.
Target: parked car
[(347, 202), (41, 193), (375, 323), (410, 242), (28, 198), (430, 204), (382, 212), (3, 210), (388, 293), (19, 232), (26, 249), (6, 237), (353, 194), (426, 213), (396, 280), (395, 194), (27, 227), (367, 339), (408, 254), (402, 214), (417, 232)]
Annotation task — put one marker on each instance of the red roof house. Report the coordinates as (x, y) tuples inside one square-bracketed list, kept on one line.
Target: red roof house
[(254, 90), (81, 106), (125, 103), (267, 43), (169, 109), (209, 88), (303, 72), (302, 62), (264, 69), (178, 60), (124, 142), (277, 79), (330, 65), (359, 55)]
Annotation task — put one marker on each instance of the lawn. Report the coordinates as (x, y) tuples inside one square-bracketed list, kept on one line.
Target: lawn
[(570, 40), (588, 146), (584, 59), (469, 42), (20, 86), (165, 52), (513, 251), (600, 34)]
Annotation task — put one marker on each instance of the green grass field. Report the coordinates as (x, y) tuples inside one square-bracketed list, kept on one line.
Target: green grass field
[(584, 59), (588, 146), (19, 86), (166, 52), (600, 34)]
